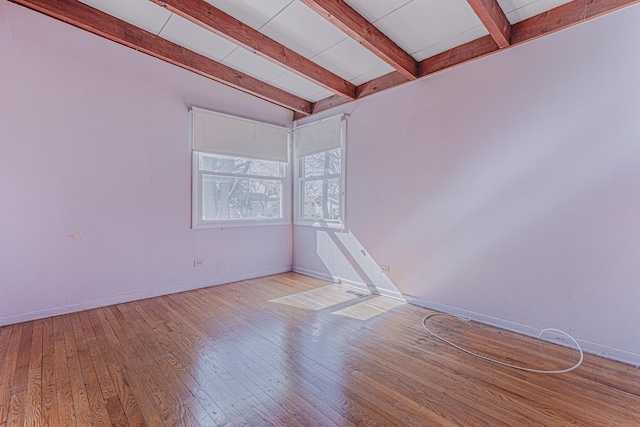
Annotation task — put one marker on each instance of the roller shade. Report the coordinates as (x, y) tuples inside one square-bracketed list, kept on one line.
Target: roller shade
[(317, 137), (217, 133)]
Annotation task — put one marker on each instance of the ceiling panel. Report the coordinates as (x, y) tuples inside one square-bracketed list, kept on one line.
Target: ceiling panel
[(450, 43), (320, 95), (251, 12), (376, 9), (519, 10), (348, 59), (187, 34), (252, 64), (141, 13), (297, 85), (423, 24), (372, 74), (302, 30)]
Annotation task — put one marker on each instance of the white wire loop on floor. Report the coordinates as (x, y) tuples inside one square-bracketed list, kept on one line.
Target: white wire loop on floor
[(488, 359)]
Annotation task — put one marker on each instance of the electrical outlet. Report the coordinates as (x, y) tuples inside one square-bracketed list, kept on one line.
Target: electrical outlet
[(385, 269), (198, 262)]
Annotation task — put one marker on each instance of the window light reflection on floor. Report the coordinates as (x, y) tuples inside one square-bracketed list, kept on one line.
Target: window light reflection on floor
[(333, 295)]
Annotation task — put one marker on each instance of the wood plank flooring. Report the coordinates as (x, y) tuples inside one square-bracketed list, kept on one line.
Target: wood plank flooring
[(228, 355)]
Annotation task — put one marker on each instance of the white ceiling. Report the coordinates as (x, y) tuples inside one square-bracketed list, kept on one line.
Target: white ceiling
[(141, 13), (254, 13), (423, 28), (196, 38), (519, 10)]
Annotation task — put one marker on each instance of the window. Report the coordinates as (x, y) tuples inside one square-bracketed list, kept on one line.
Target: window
[(240, 172), (319, 150), (321, 186), (239, 188)]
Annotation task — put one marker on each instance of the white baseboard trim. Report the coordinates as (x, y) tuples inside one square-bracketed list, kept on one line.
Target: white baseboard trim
[(350, 283), (134, 296), (610, 353), (382, 292), (587, 346), (317, 275)]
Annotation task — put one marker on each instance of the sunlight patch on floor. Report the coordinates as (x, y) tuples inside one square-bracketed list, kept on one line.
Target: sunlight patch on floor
[(320, 298), (333, 295), (369, 308)]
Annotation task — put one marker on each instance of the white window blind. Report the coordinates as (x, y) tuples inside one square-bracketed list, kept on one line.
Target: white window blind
[(317, 137), (217, 133)]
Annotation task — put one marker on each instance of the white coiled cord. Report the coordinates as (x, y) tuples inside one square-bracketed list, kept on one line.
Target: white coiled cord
[(488, 359)]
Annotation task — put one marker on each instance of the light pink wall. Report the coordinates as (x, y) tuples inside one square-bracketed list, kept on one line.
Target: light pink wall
[(94, 139), (508, 189)]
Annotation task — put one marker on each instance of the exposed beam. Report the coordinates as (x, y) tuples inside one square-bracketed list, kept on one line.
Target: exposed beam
[(564, 16), (458, 55), (82, 16), (557, 19), (358, 28), (207, 16), (323, 104), (387, 81), (494, 19)]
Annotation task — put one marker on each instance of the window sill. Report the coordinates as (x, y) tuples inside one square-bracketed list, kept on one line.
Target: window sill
[(338, 226), (238, 223)]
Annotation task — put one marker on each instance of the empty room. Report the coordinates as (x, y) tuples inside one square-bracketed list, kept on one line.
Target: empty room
[(319, 213)]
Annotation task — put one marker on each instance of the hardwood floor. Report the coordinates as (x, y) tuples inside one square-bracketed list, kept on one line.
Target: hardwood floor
[(227, 355)]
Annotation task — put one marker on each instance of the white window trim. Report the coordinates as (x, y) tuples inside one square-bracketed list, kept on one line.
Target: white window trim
[(196, 199), (299, 179)]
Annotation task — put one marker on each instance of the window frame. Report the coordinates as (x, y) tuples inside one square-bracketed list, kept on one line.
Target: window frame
[(197, 221), (300, 179)]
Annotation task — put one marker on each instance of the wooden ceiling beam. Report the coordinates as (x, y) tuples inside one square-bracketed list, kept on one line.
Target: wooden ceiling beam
[(494, 19), (553, 20), (364, 32), (226, 26), (387, 81), (82, 16), (564, 16), (458, 55)]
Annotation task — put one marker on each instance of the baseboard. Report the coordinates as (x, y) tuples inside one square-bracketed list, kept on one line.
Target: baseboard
[(317, 275), (587, 346), (351, 283), (264, 273), (134, 296), (383, 292), (610, 353)]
